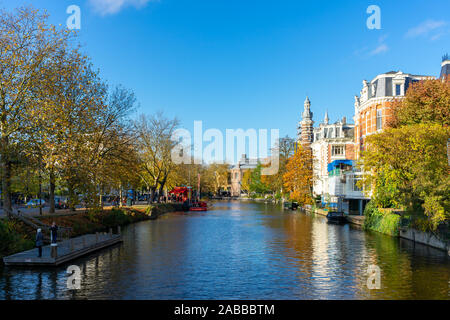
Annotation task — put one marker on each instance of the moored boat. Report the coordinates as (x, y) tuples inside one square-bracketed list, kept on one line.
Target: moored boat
[(199, 206), (336, 217), (290, 205)]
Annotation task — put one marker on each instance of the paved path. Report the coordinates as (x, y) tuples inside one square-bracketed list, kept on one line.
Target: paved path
[(67, 250)]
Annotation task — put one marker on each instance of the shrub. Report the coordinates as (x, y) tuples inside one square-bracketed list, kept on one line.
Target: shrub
[(383, 222), (11, 241), (115, 217)]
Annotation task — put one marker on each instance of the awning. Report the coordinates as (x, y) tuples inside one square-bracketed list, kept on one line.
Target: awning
[(336, 163), (180, 190)]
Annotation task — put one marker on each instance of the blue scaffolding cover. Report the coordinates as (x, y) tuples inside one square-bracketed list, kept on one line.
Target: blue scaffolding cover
[(336, 163)]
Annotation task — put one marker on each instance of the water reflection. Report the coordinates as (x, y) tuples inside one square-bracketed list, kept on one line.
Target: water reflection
[(243, 251)]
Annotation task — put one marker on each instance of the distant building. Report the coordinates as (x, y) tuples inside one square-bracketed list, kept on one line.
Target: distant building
[(333, 143), (237, 173), (373, 106), (305, 126), (333, 149)]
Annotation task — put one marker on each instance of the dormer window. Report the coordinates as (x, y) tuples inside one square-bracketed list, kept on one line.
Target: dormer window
[(398, 89)]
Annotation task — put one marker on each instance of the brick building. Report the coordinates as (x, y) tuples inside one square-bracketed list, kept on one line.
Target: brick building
[(373, 106)]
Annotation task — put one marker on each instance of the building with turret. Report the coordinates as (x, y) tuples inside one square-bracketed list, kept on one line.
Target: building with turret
[(445, 68), (305, 134), (333, 150)]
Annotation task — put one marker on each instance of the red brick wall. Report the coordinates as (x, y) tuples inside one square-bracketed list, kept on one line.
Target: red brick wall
[(350, 152), (368, 124)]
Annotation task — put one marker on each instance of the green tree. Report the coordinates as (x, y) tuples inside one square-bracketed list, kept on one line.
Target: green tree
[(407, 167), (256, 183), (425, 102)]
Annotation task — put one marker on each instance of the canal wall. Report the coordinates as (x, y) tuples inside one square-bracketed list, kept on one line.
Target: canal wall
[(15, 236), (426, 238), (389, 223)]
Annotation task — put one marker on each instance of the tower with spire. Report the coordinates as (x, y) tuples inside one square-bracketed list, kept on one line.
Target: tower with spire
[(445, 68), (327, 119), (305, 128)]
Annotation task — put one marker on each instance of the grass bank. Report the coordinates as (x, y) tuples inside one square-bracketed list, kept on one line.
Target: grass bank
[(381, 220), (15, 236)]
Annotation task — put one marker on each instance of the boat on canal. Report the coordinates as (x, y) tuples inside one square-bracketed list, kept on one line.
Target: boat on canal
[(198, 206), (290, 205), (336, 217)]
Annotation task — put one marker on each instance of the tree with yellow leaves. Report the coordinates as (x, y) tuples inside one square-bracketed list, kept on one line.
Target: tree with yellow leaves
[(298, 179), (27, 47)]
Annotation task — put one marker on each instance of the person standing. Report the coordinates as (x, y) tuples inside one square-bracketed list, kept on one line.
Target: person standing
[(39, 242), (53, 232)]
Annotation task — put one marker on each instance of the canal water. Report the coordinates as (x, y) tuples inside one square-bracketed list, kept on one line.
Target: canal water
[(243, 250)]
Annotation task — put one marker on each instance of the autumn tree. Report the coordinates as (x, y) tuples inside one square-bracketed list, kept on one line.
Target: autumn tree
[(285, 149), (298, 179), (155, 148), (246, 181), (407, 168), (425, 102), (27, 46)]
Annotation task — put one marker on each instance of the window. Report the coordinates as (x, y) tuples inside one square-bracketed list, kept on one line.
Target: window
[(398, 89), (325, 133), (338, 132), (367, 122), (379, 119), (355, 187), (337, 150)]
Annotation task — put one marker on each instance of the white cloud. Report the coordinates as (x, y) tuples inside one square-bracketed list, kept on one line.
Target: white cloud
[(425, 28), (105, 7), (380, 49)]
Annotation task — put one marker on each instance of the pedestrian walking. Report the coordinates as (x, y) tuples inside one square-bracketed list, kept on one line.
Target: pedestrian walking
[(39, 242)]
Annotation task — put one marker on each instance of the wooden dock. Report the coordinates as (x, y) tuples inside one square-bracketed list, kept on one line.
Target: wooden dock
[(67, 250)]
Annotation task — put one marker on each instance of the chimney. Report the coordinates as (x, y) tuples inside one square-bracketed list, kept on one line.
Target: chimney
[(344, 120)]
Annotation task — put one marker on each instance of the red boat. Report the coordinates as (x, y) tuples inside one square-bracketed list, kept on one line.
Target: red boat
[(199, 206)]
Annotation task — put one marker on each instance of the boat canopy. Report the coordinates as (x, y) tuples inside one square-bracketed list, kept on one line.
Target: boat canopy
[(180, 190), (337, 164)]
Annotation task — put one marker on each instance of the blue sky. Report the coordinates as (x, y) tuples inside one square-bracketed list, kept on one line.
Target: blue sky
[(250, 63)]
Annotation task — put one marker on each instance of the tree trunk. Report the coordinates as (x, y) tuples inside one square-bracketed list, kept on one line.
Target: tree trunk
[(52, 192), (152, 193), (120, 196), (6, 176), (161, 188), (71, 196), (101, 198)]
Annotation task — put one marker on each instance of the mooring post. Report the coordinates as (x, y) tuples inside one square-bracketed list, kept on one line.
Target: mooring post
[(118, 230), (71, 245), (96, 237), (84, 241), (110, 232), (54, 250)]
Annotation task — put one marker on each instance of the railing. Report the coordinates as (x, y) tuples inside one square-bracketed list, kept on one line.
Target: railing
[(63, 232)]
